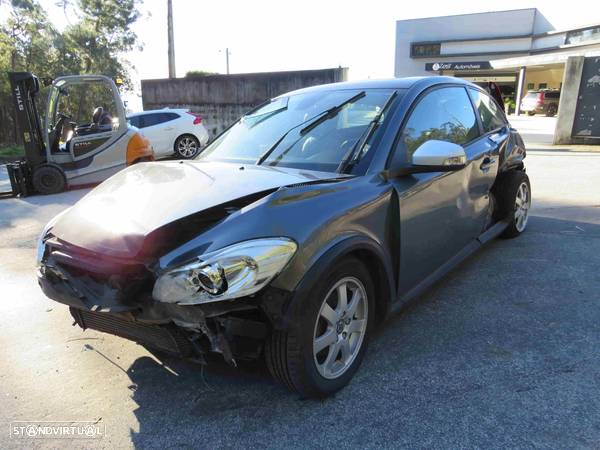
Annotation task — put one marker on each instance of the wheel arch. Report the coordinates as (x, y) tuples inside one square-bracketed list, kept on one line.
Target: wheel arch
[(180, 135), (376, 261)]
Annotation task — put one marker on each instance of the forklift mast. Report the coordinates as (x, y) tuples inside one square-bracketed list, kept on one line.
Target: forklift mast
[(25, 87)]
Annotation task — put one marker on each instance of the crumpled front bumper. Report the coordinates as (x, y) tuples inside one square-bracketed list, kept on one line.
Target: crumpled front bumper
[(115, 299)]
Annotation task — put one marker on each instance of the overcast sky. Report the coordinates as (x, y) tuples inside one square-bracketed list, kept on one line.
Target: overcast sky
[(265, 35)]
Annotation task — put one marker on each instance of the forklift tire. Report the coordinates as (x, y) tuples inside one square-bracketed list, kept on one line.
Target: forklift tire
[(48, 180)]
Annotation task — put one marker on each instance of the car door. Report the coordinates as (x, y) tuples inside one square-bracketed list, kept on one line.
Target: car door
[(152, 129), (441, 213), (493, 142)]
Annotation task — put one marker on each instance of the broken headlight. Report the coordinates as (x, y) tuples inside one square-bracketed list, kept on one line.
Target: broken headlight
[(235, 271)]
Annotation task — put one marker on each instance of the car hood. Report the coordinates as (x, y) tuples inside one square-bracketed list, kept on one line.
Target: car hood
[(116, 216)]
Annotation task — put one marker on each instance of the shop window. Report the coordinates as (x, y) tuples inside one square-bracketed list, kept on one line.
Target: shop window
[(543, 85), (530, 86), (424, 50), (579, 36)]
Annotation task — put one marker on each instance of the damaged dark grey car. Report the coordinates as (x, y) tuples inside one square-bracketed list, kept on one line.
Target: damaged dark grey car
[(296, 232)]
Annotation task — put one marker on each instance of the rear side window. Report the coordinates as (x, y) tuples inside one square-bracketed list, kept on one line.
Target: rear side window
[(443, 114), (170, 116), (489, 112)]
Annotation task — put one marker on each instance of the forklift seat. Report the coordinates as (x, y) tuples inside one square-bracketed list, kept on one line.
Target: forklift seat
[(101, 122)]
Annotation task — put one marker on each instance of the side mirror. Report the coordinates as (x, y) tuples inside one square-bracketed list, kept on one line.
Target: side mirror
[(438, 156)]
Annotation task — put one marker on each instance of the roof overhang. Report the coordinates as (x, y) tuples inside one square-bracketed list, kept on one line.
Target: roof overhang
[(543, 59)]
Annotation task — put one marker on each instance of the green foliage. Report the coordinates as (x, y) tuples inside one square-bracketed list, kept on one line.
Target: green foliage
[(12, 150), (94, 43), (199, 73)]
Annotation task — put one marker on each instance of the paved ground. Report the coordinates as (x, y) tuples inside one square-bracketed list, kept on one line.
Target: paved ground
[(504, 352)]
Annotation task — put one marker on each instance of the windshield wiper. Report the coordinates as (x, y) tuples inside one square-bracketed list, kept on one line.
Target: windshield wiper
[(355, 153), (321, 117), (331, 113)]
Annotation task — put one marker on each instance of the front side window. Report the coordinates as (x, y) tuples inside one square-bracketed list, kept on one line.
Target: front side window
[(443, 114), (135, 121), (281, 132), (489, 112)]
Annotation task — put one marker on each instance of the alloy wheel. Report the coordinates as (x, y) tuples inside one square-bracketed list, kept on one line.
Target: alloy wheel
[(187, 147), (340, 327), (522, 205)]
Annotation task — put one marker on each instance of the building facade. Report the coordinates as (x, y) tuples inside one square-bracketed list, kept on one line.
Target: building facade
[(520, 49)]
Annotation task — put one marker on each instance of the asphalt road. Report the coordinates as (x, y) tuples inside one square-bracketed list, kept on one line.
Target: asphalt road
[(504, 352)]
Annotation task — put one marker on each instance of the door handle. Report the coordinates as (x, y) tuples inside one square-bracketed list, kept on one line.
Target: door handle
[(487, 163), (169, 128)]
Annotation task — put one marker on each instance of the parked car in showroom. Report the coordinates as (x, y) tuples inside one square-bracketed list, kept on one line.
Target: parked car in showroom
[(543, 101), (172, 131), (295, 233)]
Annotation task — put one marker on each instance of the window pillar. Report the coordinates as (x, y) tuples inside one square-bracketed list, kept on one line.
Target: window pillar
[(519, 96)]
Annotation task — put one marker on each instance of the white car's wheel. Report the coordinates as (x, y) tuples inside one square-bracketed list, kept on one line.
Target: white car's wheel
[(187, 146)]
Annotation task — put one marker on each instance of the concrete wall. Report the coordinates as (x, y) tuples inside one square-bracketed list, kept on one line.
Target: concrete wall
[(222, 99)]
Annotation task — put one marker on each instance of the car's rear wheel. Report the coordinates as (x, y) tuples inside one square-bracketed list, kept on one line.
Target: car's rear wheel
[(48, 180), (514, 202), (327, 339), (531, 113), (187, 146)]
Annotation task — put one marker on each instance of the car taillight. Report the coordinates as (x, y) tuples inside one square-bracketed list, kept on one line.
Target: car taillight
[(540, 98), (197, 118)]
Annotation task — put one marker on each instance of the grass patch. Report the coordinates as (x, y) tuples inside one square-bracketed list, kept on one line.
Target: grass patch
[(13, 150)]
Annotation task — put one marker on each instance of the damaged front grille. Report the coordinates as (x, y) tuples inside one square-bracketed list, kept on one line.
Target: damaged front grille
[(166, 338), (100, 282)]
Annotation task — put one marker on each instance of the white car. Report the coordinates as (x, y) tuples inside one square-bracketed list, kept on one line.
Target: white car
[(171, 131)]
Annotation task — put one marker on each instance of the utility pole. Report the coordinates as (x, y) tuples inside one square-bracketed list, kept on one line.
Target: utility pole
[(227, 53), (172, 73)]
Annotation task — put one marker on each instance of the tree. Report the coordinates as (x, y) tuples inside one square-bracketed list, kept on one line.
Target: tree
[(26, 39), (103, 34), (199, 73), (95, 43)]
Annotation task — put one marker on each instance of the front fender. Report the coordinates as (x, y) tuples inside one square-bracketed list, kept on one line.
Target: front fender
[(382, 273)]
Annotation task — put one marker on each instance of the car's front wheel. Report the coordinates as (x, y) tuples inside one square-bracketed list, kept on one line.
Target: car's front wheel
[(187, 146), (328, 334)]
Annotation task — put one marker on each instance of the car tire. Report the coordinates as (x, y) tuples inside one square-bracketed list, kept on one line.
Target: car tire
[(316, 356), (551, 111), (513, 195), (187, 146), (48, 180), (531, 113)]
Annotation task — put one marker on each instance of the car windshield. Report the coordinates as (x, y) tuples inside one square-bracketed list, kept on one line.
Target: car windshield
[(304, 131)]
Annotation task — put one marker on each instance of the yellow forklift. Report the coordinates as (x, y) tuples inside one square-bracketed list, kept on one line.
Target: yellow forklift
[(64, 151)]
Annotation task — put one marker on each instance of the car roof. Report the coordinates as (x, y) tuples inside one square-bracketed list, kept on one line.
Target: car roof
[(389, 83), (151, 111)]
